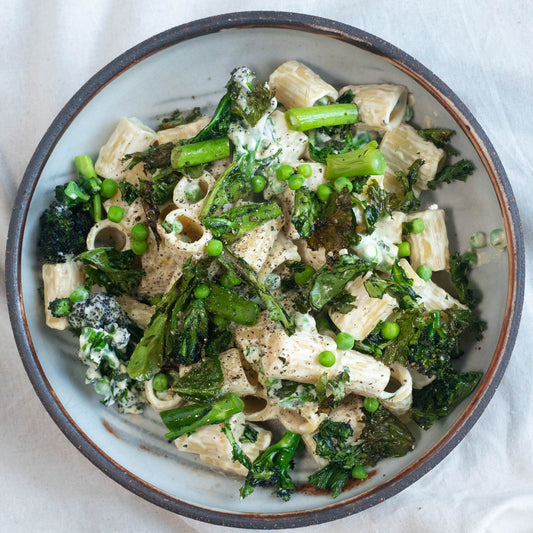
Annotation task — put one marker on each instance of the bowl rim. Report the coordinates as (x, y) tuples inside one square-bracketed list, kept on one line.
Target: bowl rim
[(360, 39)]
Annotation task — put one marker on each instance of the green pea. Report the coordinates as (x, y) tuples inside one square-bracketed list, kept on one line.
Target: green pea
[(359, 472), (79, 294), (108, 188), (302, 276), (139, 232), (371, 404), (284, 172), (390, 330), (305, 170), (115, 213), (214, 247), (478, 240), (324, 192), (296, 181), (160, 382), (139, 247), (497, 239), (345, 341), (404, 249), (424, 272), (327, 358), (258, 183), (201, 291), (341, 183), (416, 226), (193, 192)]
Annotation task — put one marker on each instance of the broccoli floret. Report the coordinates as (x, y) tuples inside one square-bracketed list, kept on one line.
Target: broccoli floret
[(63, 232), (98, 311), (59, 307), (271, 468)]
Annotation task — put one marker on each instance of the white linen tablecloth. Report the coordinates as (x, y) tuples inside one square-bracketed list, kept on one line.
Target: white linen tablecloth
[(483, 50)]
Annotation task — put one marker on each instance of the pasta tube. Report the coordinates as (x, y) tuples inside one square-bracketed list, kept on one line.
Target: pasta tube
[(399, 401)]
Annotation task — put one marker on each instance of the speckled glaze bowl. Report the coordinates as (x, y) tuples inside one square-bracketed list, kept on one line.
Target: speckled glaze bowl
[(195, 60)]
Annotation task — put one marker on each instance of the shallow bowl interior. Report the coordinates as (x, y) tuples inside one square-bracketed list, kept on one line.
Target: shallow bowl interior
[(189, 66)]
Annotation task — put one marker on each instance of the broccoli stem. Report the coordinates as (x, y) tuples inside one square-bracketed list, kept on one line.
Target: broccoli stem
[(84, 167), (308, 118), (366, 161), (190, 155), (189, 418), (230, 305)]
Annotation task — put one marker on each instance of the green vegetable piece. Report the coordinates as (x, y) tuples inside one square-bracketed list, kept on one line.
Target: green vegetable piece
[(305, 170), (115, 213), (478, 240), (108, 188), (214, 247), (359, 472), (306, 212), (187, 419), (193, 192), (139, 232), (365, 161), (308, 118), (329, 281), (442, 396), (201, 292), (271, 468), (79, 294), (424, 272), (237, 454), (296, 181), (460, 269), (74, 193), (390, 330), (327, 358), (498, 239), (258, 183), (415, 226), (243, 271), (341, 183), (139, 247), (304, 274), (111, 269), (345, 341), (190, 155), (229, 305), (404, 249), (457, 172), (324, 192), (284, 172), (160, 382), (235, 222), (371, 404), (60, 307), (84, 167)]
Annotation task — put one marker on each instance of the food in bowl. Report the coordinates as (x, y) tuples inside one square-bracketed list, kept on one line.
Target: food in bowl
[(262, 277)]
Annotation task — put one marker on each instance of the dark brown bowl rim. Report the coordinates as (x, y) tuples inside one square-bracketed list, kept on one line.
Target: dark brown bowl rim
[(358, 38)]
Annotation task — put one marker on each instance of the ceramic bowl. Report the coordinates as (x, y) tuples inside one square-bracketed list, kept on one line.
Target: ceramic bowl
[(164, 73)]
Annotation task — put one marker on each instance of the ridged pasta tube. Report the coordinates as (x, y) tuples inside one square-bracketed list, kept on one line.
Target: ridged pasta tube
[(296, 85), (140, 313), (235, 379), (368, 377), (193, 237), (213, 447), (303, 419), (107, 233), (59, 280), (430, 247), (399, 401), (367, 312), (130, 135), (381, 106), (293, 144), (401, 147), (282, 250), (184, 131), (161, 401), (189, 193)]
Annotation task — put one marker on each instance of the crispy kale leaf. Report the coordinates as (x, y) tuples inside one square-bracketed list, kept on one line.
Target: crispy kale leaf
[(459, 171), (460, 269)]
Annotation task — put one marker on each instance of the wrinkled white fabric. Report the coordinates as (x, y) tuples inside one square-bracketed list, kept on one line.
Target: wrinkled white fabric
[(482, 50)]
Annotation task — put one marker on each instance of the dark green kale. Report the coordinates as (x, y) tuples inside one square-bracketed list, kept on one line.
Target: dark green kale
[(234, 223), (111, 269), (459, 171), (177, 118), (63, 232), (271, 468), (249, 434), (128, 192), (383, 435), (330, 280), (60, 307), (409, 201), (460, 268), (306, 212), (439, 137), (398, 286), (442, 396)]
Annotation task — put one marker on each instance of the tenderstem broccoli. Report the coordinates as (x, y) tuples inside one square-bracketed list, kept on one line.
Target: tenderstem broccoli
[(271, 468), (365, 161), (308, 118)]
